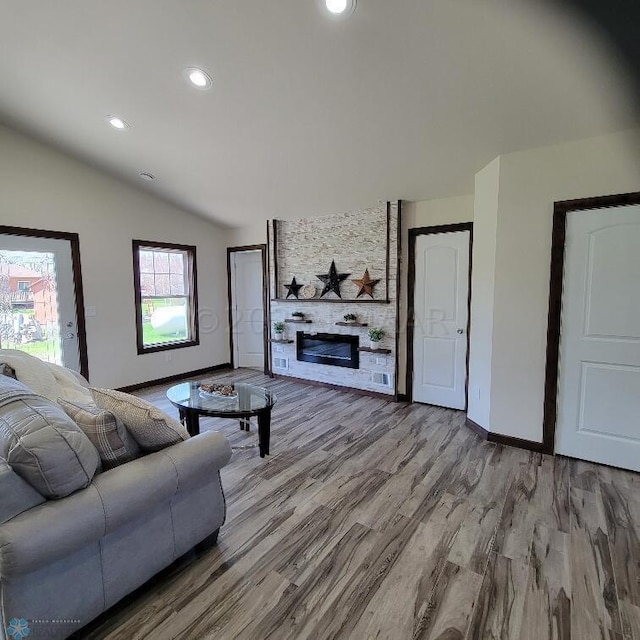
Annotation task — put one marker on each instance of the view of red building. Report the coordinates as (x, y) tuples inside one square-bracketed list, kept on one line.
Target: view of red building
[(30, 289)]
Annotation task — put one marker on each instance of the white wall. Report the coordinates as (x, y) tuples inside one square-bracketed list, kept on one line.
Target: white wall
[(424, 213), (247, 235), (429, 213), (44, 189), (529, 183), (482, 293)]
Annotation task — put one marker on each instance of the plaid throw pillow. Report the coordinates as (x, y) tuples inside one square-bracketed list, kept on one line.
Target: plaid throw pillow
[(106, 432), (151, 428)]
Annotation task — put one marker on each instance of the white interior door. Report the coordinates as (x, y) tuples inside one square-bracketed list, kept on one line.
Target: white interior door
[(248, 309), (441, 315), (37, 299), (599, 375)]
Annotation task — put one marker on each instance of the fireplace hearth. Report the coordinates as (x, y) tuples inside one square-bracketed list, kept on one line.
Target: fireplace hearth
[(335, 349)]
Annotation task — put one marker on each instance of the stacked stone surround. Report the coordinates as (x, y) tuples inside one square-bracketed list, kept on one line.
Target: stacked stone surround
[(356, 241)]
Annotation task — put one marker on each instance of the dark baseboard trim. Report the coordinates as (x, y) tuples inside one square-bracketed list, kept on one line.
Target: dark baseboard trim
[(174, 378), (519, 443), (337, 387), (498, 438), (403, 397), (476, 428)]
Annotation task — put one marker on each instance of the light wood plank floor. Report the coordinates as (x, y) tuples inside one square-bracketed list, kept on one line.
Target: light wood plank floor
[(373, 519)]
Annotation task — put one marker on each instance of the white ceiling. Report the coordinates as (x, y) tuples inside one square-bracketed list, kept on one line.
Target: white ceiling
[(405, 99)]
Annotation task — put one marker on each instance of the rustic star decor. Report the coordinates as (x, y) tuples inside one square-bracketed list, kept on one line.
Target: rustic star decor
[(293, 289), (332, 280), (366, 284)]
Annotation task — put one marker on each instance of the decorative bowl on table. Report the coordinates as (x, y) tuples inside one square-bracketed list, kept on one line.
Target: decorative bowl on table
[(216, 390)]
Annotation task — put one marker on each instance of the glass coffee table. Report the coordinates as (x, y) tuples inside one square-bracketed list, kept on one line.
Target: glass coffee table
[(250, 401)]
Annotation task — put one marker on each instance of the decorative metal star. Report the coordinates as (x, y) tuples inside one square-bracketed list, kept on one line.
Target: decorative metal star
[(293, 289), (332, 280), (366, 284)]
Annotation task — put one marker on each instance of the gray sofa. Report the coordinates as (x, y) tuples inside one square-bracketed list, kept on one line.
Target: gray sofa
[(65, 561)]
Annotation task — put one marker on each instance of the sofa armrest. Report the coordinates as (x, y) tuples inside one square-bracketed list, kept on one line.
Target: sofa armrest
[(130, 490), (135, 487), (198, 458), (57, 528)]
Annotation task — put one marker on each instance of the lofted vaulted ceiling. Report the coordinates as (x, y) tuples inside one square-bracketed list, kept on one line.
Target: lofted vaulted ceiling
[(404, 99)]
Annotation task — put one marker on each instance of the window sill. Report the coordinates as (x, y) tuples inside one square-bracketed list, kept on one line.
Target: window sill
[(167, 347)]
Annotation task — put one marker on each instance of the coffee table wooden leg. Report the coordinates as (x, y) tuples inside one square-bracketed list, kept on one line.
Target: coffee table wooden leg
[(193, 422), (264, 432)]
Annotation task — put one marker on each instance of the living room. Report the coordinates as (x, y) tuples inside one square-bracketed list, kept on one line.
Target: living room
[(345, 152)]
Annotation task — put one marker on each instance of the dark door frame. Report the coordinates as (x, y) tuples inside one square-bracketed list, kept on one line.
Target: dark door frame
[(74, 240), (558, 241), (413, 234), (265, 299)]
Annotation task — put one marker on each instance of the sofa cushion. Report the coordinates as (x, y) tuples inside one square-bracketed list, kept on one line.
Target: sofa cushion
[(106, 432), (42, 444), (151, 428)]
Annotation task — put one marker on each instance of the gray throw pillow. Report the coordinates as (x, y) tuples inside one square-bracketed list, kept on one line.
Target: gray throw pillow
[(106, 432), (42, 444), (16, 494), (151, 428)]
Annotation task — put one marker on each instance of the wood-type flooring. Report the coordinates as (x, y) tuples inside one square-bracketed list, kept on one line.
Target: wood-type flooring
[(374, 519)]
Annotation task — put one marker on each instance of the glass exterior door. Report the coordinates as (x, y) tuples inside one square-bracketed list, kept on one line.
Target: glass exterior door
[(38, 311)]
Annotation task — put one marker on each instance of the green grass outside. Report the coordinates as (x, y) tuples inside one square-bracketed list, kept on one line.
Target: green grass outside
[(39, 349), (48, 350), (150, 336)]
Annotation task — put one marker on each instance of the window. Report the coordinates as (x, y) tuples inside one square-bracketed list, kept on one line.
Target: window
[(166, 295), (24, 285)]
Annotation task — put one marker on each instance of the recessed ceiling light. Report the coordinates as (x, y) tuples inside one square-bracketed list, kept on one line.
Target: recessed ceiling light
[(117, 123), (336, 6), (145, 175), (340, 8), (198, 78)]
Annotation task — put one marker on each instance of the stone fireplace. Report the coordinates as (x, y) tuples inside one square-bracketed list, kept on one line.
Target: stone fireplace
[(358, 241)]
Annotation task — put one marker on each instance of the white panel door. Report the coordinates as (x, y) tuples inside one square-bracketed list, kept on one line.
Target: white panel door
[(599, 376), (248, 309), (441, 314), (37, 299)]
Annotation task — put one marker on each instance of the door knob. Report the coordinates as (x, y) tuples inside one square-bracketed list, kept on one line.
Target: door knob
[(460, 331)]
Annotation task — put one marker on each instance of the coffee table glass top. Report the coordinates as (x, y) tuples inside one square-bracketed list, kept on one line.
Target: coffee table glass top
[(249, 399)]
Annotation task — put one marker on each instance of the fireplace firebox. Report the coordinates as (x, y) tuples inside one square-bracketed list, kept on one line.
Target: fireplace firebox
[(336, 349)]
